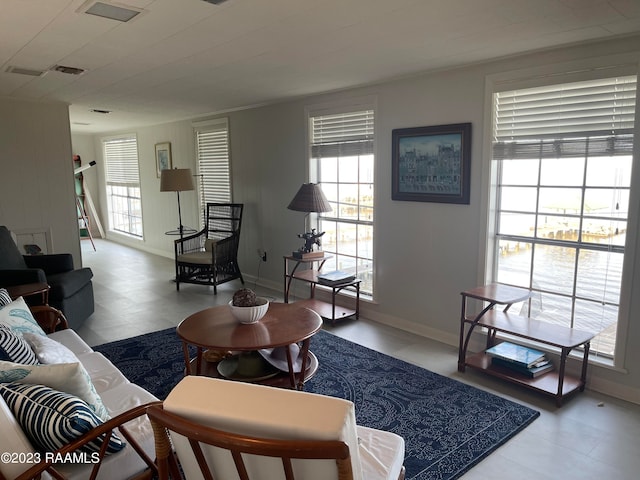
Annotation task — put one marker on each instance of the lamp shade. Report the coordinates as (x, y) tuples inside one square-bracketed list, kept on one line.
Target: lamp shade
[(176, 180), (310, 198)]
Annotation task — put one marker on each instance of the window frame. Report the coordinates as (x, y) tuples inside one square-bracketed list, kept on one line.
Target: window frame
[(125, 181), (551, 75), (367, 104)]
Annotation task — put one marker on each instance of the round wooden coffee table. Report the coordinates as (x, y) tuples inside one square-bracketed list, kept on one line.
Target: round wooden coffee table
[(284, 324)]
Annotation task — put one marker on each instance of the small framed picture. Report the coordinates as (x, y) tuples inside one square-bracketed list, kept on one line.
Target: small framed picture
[(432, 164), (163, 157)]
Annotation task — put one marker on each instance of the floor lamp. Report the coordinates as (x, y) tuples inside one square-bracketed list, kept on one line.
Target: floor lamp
[(177, 180)]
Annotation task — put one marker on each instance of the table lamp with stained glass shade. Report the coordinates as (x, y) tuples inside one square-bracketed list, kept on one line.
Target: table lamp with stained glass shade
[(309, 199)]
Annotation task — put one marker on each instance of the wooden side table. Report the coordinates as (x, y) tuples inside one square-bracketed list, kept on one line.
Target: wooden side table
[(30, 289), (330, 311), (555, 383)]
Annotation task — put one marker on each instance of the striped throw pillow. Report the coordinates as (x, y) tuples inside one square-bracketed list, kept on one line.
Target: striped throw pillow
[(71, 378), (14, 348), (5, 298), (52, 419)]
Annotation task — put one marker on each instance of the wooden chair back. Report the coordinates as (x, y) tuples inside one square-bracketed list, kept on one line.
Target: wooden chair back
[(164, 422)]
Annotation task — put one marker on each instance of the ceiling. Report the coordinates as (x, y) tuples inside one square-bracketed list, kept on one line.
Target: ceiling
[(182, 59)]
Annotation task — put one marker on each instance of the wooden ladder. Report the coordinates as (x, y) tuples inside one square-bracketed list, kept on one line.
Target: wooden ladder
[(83, 216)]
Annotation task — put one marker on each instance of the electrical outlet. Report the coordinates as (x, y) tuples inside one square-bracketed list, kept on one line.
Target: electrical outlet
[(262, 254)]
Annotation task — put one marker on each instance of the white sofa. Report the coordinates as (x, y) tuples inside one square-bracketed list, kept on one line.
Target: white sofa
[(120, 398)]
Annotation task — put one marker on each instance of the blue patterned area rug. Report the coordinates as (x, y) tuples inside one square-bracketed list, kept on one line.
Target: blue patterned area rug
[(448, 426)]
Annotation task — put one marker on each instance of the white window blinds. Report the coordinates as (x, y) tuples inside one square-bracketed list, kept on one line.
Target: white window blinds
[(121, 159), (564, 121), (212, 145), (343, 134)]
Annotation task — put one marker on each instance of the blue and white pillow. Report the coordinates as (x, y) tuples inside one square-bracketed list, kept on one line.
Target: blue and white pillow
[(19, 318), (5, 298), (52, 419), (14, 348)]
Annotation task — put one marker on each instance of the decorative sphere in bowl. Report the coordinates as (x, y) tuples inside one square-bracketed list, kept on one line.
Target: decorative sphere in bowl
[(250, 314)]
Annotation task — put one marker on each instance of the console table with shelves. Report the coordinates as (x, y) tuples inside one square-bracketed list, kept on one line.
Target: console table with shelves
[(307, 270), (556, 383)]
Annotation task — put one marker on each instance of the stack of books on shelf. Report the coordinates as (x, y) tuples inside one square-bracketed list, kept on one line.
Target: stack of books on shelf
[(527, 361), (336, 277)]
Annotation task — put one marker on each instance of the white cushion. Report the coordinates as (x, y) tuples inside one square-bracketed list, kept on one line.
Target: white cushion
[(48, 350), (126, 463), (104, 375), (381, 453), (19, 318), (126, 396), (196, 258), (70, 339), (264, 411), (71, 378)]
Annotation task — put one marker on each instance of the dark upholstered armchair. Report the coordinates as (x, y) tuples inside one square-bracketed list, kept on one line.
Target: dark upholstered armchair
[(71, 289), (210, 257)]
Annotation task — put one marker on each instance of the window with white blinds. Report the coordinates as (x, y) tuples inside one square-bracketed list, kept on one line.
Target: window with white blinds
[(557, 120), (124, 201), (342, 134), (212, 145), (121, 161), (342, 157), (563, 157)]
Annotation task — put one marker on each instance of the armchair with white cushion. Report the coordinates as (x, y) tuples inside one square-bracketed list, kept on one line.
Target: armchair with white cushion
[(234, 430)]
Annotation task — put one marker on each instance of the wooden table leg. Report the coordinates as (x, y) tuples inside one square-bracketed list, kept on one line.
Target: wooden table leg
[(563, 364), (304, 351), (187, 358), (585, 363)]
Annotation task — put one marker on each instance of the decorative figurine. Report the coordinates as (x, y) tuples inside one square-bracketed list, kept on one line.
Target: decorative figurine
[(310, 239)]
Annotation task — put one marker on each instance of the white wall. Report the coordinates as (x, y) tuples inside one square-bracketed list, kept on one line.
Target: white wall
[(36, 183), (159, 209), (426, 253)]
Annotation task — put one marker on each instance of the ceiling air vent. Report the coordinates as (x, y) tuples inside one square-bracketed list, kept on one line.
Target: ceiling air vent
[(120, 13), (68, 70), (25, 71)]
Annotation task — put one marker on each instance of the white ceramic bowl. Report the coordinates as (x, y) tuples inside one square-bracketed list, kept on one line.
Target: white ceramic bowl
[(250, 314)]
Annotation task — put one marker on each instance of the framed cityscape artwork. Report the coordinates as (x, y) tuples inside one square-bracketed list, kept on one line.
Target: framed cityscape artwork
[(432, 164)]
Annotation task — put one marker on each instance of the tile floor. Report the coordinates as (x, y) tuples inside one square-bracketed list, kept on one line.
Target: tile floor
[(591, 437)]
